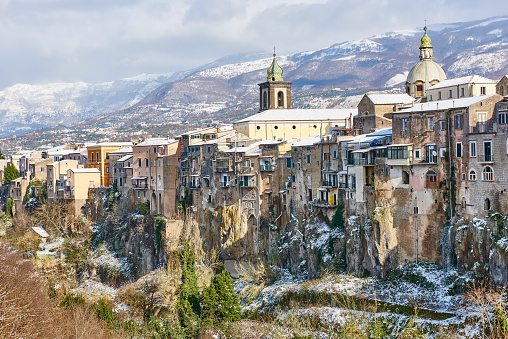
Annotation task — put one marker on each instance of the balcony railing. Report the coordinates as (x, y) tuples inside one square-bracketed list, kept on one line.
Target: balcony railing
[(485, 158), (330, 183), (323, 203), (224, 184), (343, 185), (267, 167)]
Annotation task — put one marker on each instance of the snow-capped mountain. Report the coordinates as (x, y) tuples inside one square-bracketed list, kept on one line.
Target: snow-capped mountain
[(230, 83)]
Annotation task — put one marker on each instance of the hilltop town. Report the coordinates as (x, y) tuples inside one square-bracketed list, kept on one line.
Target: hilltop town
[(403, 178)]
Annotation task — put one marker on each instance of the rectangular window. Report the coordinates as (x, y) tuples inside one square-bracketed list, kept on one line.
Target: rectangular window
[(457, 121), (403, 127), (308, 158), (398, 152), (442, 125), (502, 118), (430, 123), (450, 94), (462, 92), (326, 156), (309, 180), (482, 121), (442, 152), (146, 162), (139, 162), (483, 90), (288, 162), (439, 95), (431, 154), (418, 154), (487, 150), (98, 159), (472, 149), (155, 149), (335, 154), (458, 149)]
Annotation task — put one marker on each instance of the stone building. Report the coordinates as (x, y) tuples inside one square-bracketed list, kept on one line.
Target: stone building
[(375, 109)]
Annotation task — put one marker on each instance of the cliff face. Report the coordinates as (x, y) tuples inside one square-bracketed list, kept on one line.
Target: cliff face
[(305, 245)]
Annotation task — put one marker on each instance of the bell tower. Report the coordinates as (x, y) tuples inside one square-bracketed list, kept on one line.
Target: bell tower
[(275, 93)]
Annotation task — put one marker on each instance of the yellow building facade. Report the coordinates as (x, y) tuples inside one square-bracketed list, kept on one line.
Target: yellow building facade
[(98, 158)]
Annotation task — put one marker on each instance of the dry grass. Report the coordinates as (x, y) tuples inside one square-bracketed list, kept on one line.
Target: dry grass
[(26, 310)]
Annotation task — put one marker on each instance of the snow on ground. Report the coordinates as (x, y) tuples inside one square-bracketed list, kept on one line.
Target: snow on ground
[(94, 290)]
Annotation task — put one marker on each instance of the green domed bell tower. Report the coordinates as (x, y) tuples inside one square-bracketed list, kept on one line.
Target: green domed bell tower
[(275, 93)]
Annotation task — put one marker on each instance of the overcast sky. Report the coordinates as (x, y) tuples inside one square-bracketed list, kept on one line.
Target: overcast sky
[(102, 40)]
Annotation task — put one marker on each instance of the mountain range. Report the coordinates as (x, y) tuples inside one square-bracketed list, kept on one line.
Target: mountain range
[(227, 88)]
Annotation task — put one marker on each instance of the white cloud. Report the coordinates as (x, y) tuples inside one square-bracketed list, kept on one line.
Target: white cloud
[(100, 40)]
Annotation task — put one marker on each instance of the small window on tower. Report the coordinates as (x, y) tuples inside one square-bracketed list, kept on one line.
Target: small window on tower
[(280, 97)]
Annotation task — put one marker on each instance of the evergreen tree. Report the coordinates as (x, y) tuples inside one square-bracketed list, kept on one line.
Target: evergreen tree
[(1, 155), (338, 217), (188, 306), (228, 308), (10, 173), (209, 306)]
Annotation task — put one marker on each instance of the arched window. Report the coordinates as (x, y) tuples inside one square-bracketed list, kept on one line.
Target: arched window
[(487, 174), (405, 177), (280, 99), (486, 204), (265, 100), (431, 179), (472, 175)]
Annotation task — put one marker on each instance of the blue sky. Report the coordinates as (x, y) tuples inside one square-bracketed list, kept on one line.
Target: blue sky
[(103, 40)]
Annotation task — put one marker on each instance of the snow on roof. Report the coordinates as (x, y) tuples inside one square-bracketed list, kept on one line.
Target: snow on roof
[(222, 128), (157, 142), (111, 143), (390, 98), (444, 104), (84, 170), (222, 139), (370, 137), (469, 79), (245, 149), (255, 153), (122, 150), (301, 114), (309, 141), (40, 231), (125, 158)]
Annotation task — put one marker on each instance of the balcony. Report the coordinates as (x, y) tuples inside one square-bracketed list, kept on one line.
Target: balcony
[(329, 183), (224, 169), (194, 186), (323, 203), (485, 158), (266, 168), (224, 184), (245, 184), (343, 185)]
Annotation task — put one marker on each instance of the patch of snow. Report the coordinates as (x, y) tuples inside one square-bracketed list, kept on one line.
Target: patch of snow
[(397, 79)]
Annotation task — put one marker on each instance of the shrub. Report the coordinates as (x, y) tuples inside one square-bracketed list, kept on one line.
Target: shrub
[(10, 173)]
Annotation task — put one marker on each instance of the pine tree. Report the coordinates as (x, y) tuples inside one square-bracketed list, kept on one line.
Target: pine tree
[(1, 155), (209, 306), (10, 173), (228, 308), (338, 217), (188, 306)]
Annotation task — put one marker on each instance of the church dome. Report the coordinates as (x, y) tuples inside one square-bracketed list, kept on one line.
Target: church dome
[(426, 72), (274, 72)]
